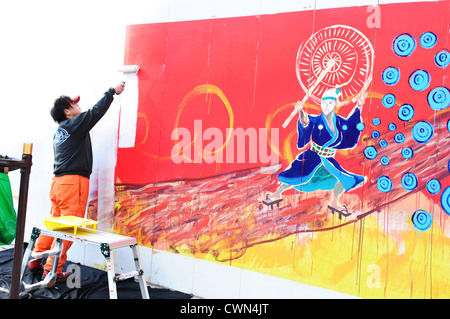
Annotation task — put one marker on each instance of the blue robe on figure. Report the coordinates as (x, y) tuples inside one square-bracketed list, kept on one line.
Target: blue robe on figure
[(316, 167)]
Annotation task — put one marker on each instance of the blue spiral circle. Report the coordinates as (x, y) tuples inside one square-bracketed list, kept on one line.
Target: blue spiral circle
[(388, 100), (419, 80), (439, 98), (405, 112), (376, 121), (448, 125), (445, 200), (384, 184), (442, 58), (433, 186), (404, 45), (399, 138), (422, 220), (392, 127), (428, 40), (409, 181), (384, 160), (370, 152), (375, 134), (407, 152), (391, 75), (422, 132), (383, 143)]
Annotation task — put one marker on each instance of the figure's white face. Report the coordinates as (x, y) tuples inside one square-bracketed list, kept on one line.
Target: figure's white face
[(328, 106)]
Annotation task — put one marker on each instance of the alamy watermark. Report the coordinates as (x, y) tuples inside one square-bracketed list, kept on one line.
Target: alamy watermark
[(235, 145), (74, 279), (374, 279), (374, 19)]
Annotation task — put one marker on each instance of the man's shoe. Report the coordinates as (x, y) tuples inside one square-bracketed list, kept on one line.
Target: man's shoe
[(35, 266)]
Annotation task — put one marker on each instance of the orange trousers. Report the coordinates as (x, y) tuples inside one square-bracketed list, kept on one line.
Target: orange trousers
[(69, 196)]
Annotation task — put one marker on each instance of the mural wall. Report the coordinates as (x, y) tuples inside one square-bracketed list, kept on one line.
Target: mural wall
[(350, 193)]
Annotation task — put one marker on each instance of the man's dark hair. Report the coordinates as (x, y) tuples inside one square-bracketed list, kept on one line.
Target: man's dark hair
[(57, 111)]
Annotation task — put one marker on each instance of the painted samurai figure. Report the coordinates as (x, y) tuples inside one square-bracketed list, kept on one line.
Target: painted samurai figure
[(316, 168)]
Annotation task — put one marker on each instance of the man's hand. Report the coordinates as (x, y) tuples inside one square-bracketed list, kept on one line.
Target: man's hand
[(299, 106), (302, 114), (119, 88), (360, 99)]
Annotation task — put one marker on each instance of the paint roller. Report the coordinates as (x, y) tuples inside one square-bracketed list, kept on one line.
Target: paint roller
[(129, 107), (129, 71)]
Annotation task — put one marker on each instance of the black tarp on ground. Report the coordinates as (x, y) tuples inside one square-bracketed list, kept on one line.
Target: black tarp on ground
[(93, 285)]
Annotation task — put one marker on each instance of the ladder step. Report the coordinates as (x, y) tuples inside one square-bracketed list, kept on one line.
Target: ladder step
[(127, 275), (38, 285), (53, 252)]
